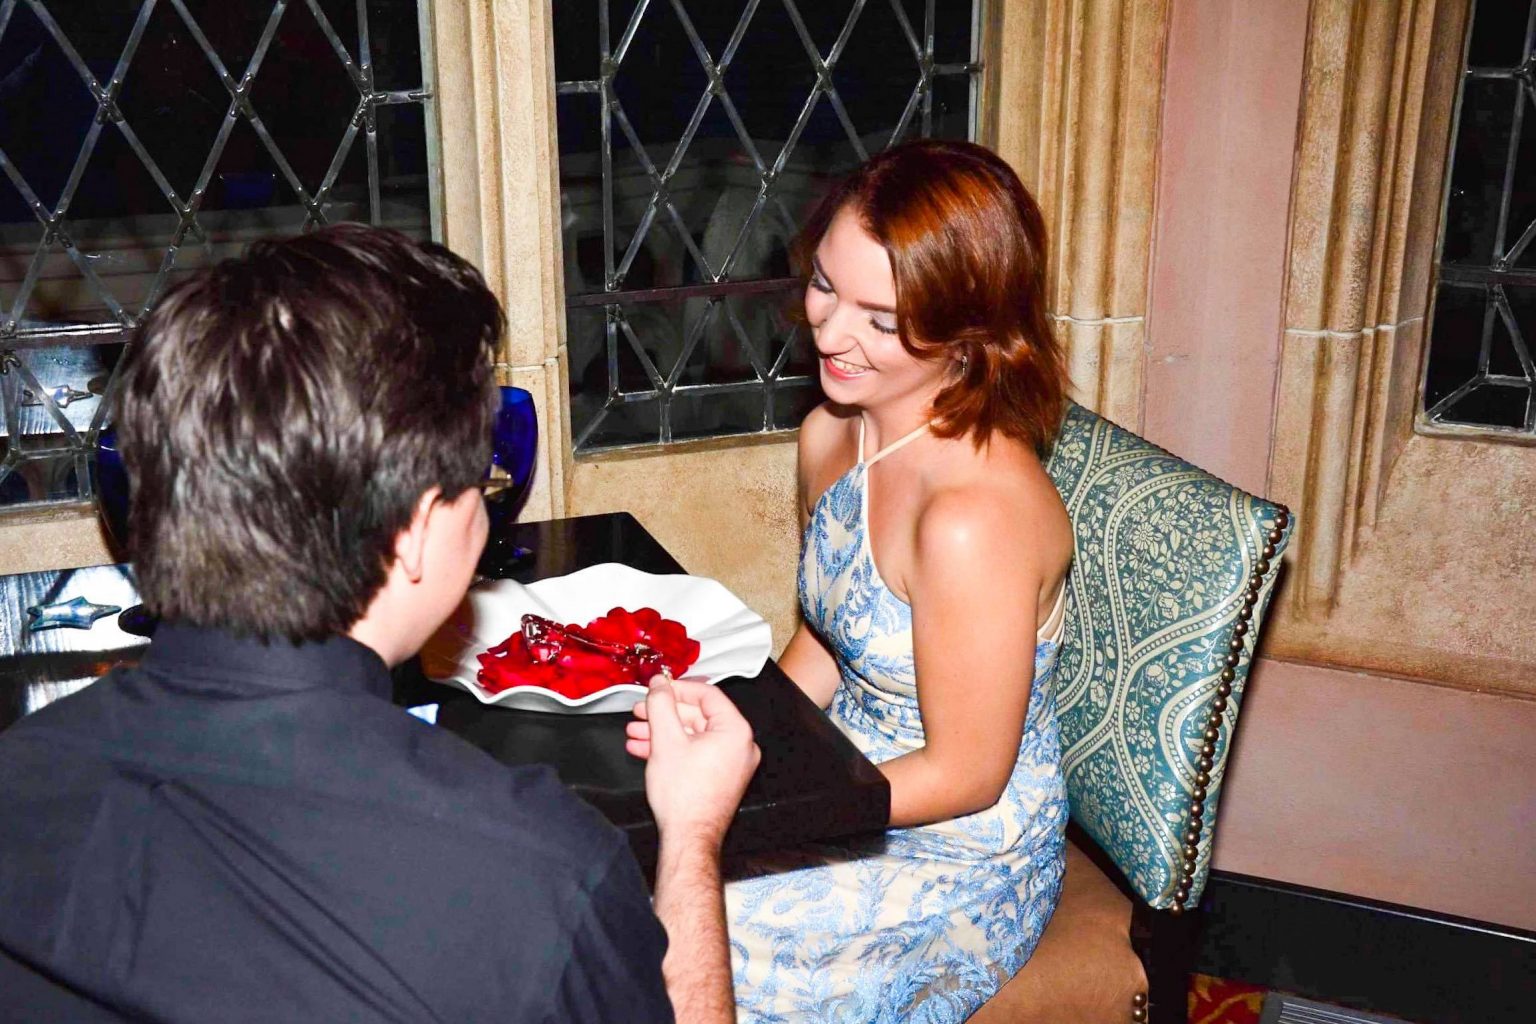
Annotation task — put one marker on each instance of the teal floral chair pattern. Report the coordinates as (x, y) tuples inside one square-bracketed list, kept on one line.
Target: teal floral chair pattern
[(1172, 574)]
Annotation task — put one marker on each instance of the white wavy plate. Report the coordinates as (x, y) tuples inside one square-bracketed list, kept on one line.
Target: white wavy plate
[(733, 639)]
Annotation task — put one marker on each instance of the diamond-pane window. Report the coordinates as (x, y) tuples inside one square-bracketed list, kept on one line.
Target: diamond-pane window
[(1479, 372), (695, 136), (142, 139)]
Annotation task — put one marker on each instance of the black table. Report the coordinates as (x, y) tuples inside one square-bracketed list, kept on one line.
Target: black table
[(812, 784)]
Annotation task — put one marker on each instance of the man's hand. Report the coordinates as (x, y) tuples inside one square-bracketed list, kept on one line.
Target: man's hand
[(699, 756)]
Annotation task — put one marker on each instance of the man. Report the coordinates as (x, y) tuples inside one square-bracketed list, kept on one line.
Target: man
[(244, 828)]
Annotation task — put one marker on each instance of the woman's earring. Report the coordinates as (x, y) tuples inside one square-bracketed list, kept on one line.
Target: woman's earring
[(965, 364)]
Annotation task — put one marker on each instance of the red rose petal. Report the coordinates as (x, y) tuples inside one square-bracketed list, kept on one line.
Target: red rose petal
[(580, 673)]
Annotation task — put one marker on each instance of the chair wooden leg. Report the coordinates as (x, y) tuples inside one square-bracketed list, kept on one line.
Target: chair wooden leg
[(1166, 945)]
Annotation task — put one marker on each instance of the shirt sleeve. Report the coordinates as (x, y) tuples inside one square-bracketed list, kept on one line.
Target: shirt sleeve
[(614, 970)]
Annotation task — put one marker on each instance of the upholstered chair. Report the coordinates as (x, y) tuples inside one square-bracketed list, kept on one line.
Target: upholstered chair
[(1171, 576)]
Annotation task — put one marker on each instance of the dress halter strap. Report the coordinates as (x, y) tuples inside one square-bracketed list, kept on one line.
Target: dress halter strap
[(905, 439), (1051, 628)]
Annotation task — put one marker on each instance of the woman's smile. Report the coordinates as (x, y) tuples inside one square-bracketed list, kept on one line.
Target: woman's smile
[(842, 369)]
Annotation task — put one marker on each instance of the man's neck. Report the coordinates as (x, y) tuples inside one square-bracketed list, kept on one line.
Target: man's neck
[(371, 636), (389, 625)]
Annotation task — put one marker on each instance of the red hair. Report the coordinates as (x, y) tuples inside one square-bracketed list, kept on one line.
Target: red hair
[(968, 254)]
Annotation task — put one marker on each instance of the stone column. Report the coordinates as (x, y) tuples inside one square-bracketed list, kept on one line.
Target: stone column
[(1074, 103), (494, 89), (1379, 86)]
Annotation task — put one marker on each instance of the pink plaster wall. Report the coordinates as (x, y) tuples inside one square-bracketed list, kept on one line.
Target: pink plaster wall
[(1396, 790), (1231, 100), (1382, 787)]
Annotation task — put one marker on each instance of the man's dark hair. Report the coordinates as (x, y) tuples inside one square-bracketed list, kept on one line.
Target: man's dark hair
[(282, 413)]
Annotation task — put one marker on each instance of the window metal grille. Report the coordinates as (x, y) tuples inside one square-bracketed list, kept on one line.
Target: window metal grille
[(1479, 371), (695, 135), (140, 139)]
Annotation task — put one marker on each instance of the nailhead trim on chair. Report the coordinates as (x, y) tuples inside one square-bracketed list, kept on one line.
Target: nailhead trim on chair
[(1139, 1008), (1213, 729)]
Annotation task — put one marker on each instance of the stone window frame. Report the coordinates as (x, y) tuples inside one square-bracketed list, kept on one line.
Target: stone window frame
[(1380, 84)]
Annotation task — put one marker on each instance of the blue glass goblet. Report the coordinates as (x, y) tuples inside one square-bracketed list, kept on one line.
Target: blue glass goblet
[(514, 447), (112, 490), (112, 500)]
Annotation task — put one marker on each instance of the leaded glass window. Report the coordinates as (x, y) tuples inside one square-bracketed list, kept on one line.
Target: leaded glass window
[(695, 135), (1479, 371), (141, 139)]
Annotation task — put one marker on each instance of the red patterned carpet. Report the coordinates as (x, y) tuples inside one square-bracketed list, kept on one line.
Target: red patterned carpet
[(1216, 1001)]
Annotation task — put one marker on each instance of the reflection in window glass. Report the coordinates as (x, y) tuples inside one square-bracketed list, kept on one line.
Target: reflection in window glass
[(140, 140), (1479, 370), (695, 135)]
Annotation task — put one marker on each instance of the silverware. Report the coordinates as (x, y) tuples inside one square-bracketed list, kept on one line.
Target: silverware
[(546, 640)]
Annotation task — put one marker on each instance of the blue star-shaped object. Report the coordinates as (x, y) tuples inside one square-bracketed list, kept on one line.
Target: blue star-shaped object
[(62, 396), (78, 613)]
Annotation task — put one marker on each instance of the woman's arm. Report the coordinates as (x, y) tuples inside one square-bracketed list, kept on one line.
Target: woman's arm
[(975, 586), (807, 661)]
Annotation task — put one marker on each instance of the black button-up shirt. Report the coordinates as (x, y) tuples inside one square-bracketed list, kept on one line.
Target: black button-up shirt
[(236, 831)]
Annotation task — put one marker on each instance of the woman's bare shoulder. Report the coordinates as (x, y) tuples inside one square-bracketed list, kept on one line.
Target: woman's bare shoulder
[(825, 423), (997, 499), (825, 433), (826, 448)]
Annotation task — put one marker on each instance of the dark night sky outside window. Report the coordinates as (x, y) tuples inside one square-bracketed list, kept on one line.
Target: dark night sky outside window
[(695, 135), (140, 139), (1479, 371)]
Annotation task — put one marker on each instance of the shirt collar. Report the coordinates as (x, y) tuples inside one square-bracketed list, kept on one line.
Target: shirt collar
[(338, 662)]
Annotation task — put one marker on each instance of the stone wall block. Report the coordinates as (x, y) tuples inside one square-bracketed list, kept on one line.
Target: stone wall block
[(1096, 100), (1104, 365), (1328, 475), (1364, 160), (701, 503), (1421, 235), (1109, 124), (501, 193), (50, 539), (1316, 182), (1145, 39), (1078, 114)]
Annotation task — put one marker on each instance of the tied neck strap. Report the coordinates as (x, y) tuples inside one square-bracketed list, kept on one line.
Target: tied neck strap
[(900, 442)]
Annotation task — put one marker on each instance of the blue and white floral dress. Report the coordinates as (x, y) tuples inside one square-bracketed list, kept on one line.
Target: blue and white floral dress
[(920, 924)]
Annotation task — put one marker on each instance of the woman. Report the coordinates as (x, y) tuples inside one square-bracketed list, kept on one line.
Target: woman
[(932, 584)]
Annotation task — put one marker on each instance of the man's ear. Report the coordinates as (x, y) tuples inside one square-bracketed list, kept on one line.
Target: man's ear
[(411, 542)]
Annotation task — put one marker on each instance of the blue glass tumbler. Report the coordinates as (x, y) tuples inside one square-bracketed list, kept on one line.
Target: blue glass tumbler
[(514, 449), (112, 490)]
